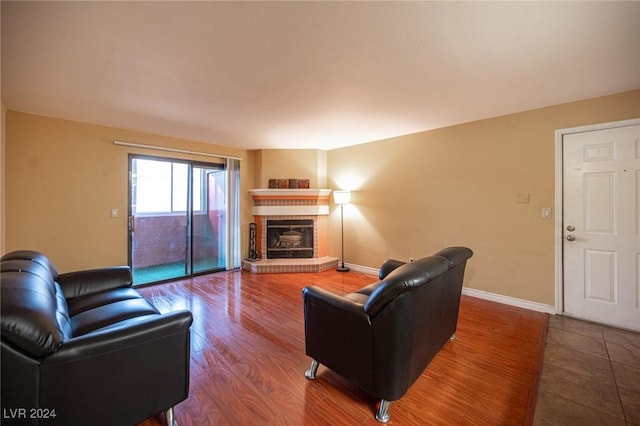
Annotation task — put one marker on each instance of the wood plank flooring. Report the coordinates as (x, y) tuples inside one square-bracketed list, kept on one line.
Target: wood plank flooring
[(248, 360)]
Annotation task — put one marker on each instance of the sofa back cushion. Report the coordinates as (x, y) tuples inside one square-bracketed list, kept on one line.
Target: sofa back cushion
[(34, 313)]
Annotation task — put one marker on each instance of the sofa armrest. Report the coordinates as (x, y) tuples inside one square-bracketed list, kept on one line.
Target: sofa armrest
[(320, 297), (126, 373), (338, 334), (81, 283), (389, 266)]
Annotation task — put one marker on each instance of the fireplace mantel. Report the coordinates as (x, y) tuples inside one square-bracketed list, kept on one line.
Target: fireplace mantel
[(296, 202), (279, 193)]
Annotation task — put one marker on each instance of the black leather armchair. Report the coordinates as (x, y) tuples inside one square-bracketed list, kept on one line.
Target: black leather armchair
[(85, 348), (384, 335)]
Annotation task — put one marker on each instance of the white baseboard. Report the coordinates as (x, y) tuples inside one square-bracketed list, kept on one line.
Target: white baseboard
[(508, 300), (480, 294), (363, 269)]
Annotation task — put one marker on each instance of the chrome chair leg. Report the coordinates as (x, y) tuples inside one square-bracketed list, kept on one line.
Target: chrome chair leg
[(169, 419), (383, 412), (313, 369)]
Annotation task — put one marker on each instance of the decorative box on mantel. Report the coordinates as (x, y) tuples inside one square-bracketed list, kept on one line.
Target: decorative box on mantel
[(291, 231)]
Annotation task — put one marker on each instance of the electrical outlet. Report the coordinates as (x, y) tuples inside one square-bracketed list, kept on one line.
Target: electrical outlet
[(546, 213)]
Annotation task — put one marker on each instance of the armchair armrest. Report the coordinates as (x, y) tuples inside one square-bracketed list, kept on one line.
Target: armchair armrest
[(90, 281)]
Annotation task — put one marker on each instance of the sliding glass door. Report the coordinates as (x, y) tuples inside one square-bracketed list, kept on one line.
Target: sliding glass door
[(209, 220), (177, 219)]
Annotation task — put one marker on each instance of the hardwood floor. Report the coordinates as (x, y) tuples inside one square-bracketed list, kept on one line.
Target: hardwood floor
[(248, 360)]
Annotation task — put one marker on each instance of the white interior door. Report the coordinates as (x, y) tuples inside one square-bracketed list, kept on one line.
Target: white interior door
[(601, 226)]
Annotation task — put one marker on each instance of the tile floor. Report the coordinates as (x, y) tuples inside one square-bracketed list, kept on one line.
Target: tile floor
[(590, 375)]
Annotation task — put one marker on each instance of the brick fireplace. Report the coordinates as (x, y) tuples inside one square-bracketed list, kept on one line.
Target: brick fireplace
[(291, 231)]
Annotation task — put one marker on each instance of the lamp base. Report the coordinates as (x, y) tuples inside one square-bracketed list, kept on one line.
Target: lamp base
[(342, 268)]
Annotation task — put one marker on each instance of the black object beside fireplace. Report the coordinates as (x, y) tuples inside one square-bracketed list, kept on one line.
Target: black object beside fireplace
[(291, 238)]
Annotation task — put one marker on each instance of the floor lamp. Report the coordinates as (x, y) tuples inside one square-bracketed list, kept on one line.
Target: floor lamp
[(342, 198)]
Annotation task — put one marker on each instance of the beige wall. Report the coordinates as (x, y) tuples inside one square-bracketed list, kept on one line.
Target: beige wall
[(413, 195), (291, 164), (460, 186), (3, 114), (63, 178)]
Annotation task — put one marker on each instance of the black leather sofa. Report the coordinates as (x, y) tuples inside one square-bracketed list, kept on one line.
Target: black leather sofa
[(383, 336), (84, 348)]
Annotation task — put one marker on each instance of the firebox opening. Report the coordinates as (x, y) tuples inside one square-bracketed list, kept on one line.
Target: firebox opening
[(289, 238)]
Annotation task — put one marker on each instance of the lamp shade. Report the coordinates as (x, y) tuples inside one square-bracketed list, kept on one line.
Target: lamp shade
[(341, 197)]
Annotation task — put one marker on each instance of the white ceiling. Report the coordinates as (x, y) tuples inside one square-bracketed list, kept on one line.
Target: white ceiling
[(310, 74)]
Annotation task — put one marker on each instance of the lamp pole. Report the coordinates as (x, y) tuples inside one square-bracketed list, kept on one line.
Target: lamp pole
[(342, 268), (342, 197)]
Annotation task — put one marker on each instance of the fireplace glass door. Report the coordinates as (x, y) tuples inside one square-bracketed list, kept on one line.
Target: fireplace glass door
[(289, 238)]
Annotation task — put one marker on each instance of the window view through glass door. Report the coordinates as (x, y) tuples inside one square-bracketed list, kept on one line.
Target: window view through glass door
[(177, 220)]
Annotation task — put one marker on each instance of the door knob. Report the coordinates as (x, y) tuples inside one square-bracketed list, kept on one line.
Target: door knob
[(571, 228), (571, 237)]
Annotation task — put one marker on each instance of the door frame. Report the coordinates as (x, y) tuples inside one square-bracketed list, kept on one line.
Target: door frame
[(559, 187)]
